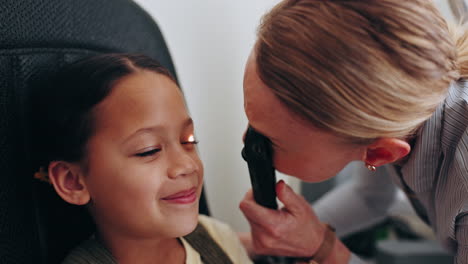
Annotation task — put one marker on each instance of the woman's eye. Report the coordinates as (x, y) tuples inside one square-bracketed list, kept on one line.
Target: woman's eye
[(148, 153)]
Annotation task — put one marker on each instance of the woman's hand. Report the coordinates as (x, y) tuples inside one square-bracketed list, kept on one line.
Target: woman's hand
[(246, 240), (294, 230)]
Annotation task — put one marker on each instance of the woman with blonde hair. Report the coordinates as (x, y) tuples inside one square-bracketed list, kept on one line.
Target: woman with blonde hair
[(378, 81)]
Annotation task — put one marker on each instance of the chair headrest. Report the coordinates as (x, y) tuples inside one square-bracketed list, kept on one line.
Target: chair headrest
[(30, 26)]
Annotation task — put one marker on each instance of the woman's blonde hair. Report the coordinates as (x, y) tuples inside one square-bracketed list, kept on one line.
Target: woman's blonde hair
[(360, 69)]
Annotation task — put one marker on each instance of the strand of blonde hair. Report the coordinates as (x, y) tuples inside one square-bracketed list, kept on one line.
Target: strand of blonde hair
[(459, 34)]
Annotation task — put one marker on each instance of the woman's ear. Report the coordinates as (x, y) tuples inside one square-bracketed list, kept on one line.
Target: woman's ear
[(67, 179), (386, 150)]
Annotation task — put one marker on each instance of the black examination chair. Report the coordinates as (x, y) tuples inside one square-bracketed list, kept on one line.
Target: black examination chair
[(37, 37)]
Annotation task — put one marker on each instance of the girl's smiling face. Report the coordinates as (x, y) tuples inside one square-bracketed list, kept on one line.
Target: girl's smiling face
[(143, 173)]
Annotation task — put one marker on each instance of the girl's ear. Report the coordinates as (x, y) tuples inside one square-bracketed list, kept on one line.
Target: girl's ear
[(386, 150), (68, 182)]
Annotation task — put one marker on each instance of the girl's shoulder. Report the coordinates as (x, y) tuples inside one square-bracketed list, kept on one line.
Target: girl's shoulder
[(217, 229), (226, 237), (89, 252)]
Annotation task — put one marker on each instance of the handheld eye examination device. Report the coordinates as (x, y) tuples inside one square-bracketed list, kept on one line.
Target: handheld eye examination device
[(257, 152)]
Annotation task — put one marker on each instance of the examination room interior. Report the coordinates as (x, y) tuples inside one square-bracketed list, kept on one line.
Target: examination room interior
[(209, 42)]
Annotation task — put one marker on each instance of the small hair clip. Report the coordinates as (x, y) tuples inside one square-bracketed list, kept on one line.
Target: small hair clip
[(42, 175)]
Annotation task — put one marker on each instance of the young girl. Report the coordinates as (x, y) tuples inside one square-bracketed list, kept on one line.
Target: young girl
[(118, 139)]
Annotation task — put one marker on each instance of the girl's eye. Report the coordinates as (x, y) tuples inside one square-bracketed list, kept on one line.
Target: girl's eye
[(192, 142), (148, 153), (189, 143)]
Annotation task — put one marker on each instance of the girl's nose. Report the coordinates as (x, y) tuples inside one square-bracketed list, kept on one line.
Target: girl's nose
[(181, 163)]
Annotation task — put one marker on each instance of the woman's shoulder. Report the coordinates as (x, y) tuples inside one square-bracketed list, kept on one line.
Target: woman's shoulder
[(89, 252), (226, 237)]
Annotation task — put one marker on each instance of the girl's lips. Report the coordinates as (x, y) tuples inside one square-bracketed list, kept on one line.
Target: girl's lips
[(183, 197)]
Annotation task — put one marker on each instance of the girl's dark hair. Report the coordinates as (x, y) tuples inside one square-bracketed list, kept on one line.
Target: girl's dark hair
[(63, 114)]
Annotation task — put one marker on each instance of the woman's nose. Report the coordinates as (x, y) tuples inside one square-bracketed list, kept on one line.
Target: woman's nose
[(182, 163)]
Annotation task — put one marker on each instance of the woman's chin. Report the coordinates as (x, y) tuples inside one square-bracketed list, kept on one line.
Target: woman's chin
[(310, 176)]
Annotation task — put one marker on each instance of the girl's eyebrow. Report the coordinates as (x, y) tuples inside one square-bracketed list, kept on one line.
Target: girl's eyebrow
[(187, 123)]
